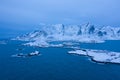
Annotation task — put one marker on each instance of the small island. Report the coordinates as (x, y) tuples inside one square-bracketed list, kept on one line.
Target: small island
[(36, 53), (100, 56)]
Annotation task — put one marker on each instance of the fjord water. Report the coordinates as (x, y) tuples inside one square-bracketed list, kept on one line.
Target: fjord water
[(55, 63)]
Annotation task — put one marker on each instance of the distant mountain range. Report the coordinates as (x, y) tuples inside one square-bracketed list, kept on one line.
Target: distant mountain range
[(81, 33)]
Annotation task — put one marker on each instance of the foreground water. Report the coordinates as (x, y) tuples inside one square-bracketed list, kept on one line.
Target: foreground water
[(55, 63)]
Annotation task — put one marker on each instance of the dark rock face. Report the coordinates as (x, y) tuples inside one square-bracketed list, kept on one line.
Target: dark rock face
[(100, 33), (63, 30), (79, 32), (118, 32), (91, 29)]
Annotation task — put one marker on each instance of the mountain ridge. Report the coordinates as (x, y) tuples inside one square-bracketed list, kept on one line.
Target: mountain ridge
[(72, 32)]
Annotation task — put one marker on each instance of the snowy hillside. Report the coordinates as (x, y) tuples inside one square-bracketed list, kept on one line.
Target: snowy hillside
[(80, 33), (84, 33)]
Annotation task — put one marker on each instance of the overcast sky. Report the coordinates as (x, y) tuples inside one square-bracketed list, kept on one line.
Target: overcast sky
[(28, 13)]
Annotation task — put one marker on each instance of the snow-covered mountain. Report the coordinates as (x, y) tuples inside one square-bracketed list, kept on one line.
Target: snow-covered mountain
[(80, 33)]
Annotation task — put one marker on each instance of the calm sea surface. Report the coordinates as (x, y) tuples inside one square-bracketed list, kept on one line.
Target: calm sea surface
[(55, 63)]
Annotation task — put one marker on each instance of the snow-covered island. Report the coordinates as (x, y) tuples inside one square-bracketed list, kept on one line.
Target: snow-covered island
[(100, 56)]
